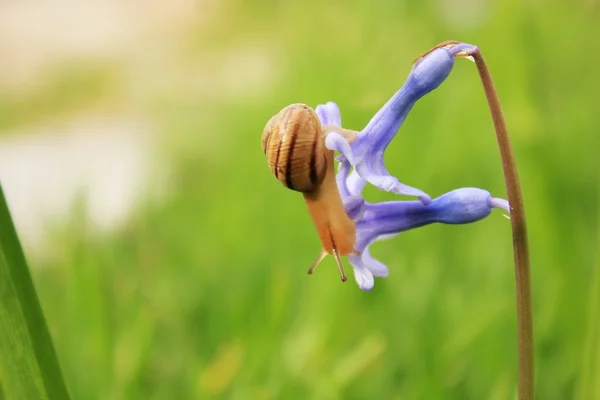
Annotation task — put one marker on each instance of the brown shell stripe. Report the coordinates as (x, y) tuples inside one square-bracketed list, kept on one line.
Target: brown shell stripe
[(294, 135), (287, 120), (313, 158), (269, 129), (288, 165)]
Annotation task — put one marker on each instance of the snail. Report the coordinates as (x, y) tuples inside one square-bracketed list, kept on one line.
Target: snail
[(293, 141)]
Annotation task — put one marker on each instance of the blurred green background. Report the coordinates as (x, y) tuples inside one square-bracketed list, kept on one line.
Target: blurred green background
[(200, 289)]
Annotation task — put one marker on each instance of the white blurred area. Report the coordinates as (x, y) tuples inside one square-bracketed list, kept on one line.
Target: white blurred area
[(35, 34), (104, 158), (105, 153), (105, 162)]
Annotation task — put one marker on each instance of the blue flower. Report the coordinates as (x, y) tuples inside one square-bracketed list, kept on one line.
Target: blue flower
[(387, 219), (378, 221), (365, 150)]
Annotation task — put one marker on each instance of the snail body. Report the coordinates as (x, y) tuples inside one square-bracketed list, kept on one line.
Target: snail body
[(336, 230), (293, 143)]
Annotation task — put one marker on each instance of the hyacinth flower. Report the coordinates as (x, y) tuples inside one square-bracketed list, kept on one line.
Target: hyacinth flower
[(364, 223), (387, 219), (290, 142), (365, 150)]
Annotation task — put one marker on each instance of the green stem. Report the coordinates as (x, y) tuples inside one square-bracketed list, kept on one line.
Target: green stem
[(519, 232)]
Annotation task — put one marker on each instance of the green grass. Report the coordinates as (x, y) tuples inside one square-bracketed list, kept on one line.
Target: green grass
[(205, 295), (29, 368)]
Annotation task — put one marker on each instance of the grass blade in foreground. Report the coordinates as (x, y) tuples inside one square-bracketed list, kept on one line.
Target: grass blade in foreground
[(589, 385), (29, 367)]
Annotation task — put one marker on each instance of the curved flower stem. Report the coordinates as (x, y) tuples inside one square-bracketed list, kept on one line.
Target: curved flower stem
[(519, 232)]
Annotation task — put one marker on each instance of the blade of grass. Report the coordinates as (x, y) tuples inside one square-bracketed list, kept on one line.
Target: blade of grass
[(589, 385), (29, 367)]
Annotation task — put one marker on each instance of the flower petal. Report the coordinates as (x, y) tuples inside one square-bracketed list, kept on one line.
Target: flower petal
[(459, 206), (384, 220), (329, 114), (355, 183), (354, 203), (363, 276), (348, 184), (430, 71), (354, 207), (500, 203), (379, 177), (463, 206), (462, 48), (369, 147), (376, 267), (335, 141), (342, 178)]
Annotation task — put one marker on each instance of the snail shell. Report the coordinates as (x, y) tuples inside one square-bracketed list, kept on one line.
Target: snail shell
[(297, 156), (292, 142)]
